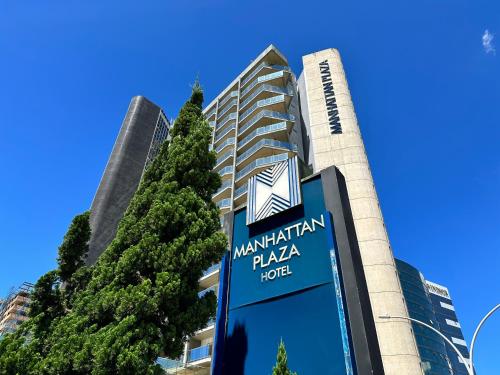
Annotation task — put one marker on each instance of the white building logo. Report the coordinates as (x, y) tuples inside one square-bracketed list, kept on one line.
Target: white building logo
[(273, 190)]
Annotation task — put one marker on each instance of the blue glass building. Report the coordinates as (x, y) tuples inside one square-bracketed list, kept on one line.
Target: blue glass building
[(448, 325), (430, 345), (431, 304)]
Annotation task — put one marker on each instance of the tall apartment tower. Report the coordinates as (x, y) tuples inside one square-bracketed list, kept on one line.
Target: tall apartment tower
[(14, 308), (143, 130), (449, 325), (335, 139), (255, 121)]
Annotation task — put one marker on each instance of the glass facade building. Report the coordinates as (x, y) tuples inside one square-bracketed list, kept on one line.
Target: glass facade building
[(449, 325), (431, 303), (431, 346)]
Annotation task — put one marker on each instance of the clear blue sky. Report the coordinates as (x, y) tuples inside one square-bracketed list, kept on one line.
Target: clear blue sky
[(425, 88)]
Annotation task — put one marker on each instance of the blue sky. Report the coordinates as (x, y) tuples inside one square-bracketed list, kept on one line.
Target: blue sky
[(425, 88)]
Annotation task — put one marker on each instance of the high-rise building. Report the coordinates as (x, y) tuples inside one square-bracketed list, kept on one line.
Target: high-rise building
[(266, 115), (14, 308), (143, 130), (448, 325), (431, 303)]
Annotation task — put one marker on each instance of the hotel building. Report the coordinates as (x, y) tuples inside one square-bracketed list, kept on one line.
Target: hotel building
[(266, 115)]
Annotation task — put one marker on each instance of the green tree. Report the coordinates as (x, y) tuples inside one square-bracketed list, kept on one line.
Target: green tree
[(281, 367), (21, 352), (142, 299)]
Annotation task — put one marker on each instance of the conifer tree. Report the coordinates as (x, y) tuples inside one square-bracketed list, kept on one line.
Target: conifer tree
[(142, 298), (21, 352), (281, 367)]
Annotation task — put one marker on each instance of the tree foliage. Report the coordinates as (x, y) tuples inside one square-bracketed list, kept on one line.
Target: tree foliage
[(21, 352), (281, 367), (141, 298)]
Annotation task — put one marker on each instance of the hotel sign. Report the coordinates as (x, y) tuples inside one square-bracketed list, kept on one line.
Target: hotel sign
[(330, 100)]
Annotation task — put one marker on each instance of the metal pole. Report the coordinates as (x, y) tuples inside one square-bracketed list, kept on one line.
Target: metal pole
[(469, 370), (477, 331)]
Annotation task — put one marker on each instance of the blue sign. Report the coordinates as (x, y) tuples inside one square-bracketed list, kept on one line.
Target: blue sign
[(284, 284)]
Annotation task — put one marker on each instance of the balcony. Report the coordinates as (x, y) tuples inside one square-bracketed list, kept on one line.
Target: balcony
[(232, 103), (222, 133), (200, 353), (211, 124), (226, 171), (280, 129), (258, 165), (213, 288), (265, 117), (227, 142), (263, 148), (262, 68), (224, 204), (211, 269), (265, 89), (280, 78), (224, 191), (231, 116), (211, 112), (273, 101), (224, 159), (240, 195), (227, 98)]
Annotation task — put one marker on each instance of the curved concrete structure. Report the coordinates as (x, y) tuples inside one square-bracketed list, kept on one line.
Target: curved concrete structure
[(143, 130)]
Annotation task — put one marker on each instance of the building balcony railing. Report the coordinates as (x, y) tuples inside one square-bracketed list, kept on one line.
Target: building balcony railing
[(168, 364), (212, 112), (279, 126), (262, 103), (212, 123), (227, 108), (226, 170), (211, 269), (227, 142), (199, 353), (225, 185), (261, 162), (265, 143), (262, 79), (266, 113), (225, 203), (268, 88), (227, 98), (231, 116), (259, 68), (223, 158), (240, 191), (223, 133), (205, 291)]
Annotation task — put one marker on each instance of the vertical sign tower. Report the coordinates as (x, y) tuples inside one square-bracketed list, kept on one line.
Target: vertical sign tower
[(335, 139)]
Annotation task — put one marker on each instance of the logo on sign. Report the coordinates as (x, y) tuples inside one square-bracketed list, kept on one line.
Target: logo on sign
[(274, 190)]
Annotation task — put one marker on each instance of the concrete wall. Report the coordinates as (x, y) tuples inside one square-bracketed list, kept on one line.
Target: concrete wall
[(122, 174), (347, 152)]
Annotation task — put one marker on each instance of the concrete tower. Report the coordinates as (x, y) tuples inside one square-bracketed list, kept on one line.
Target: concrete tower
[(335, 139), (143, 130)]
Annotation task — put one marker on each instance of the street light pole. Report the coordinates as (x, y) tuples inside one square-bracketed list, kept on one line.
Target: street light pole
[(470, 366), (439, 333), (478, 328)]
